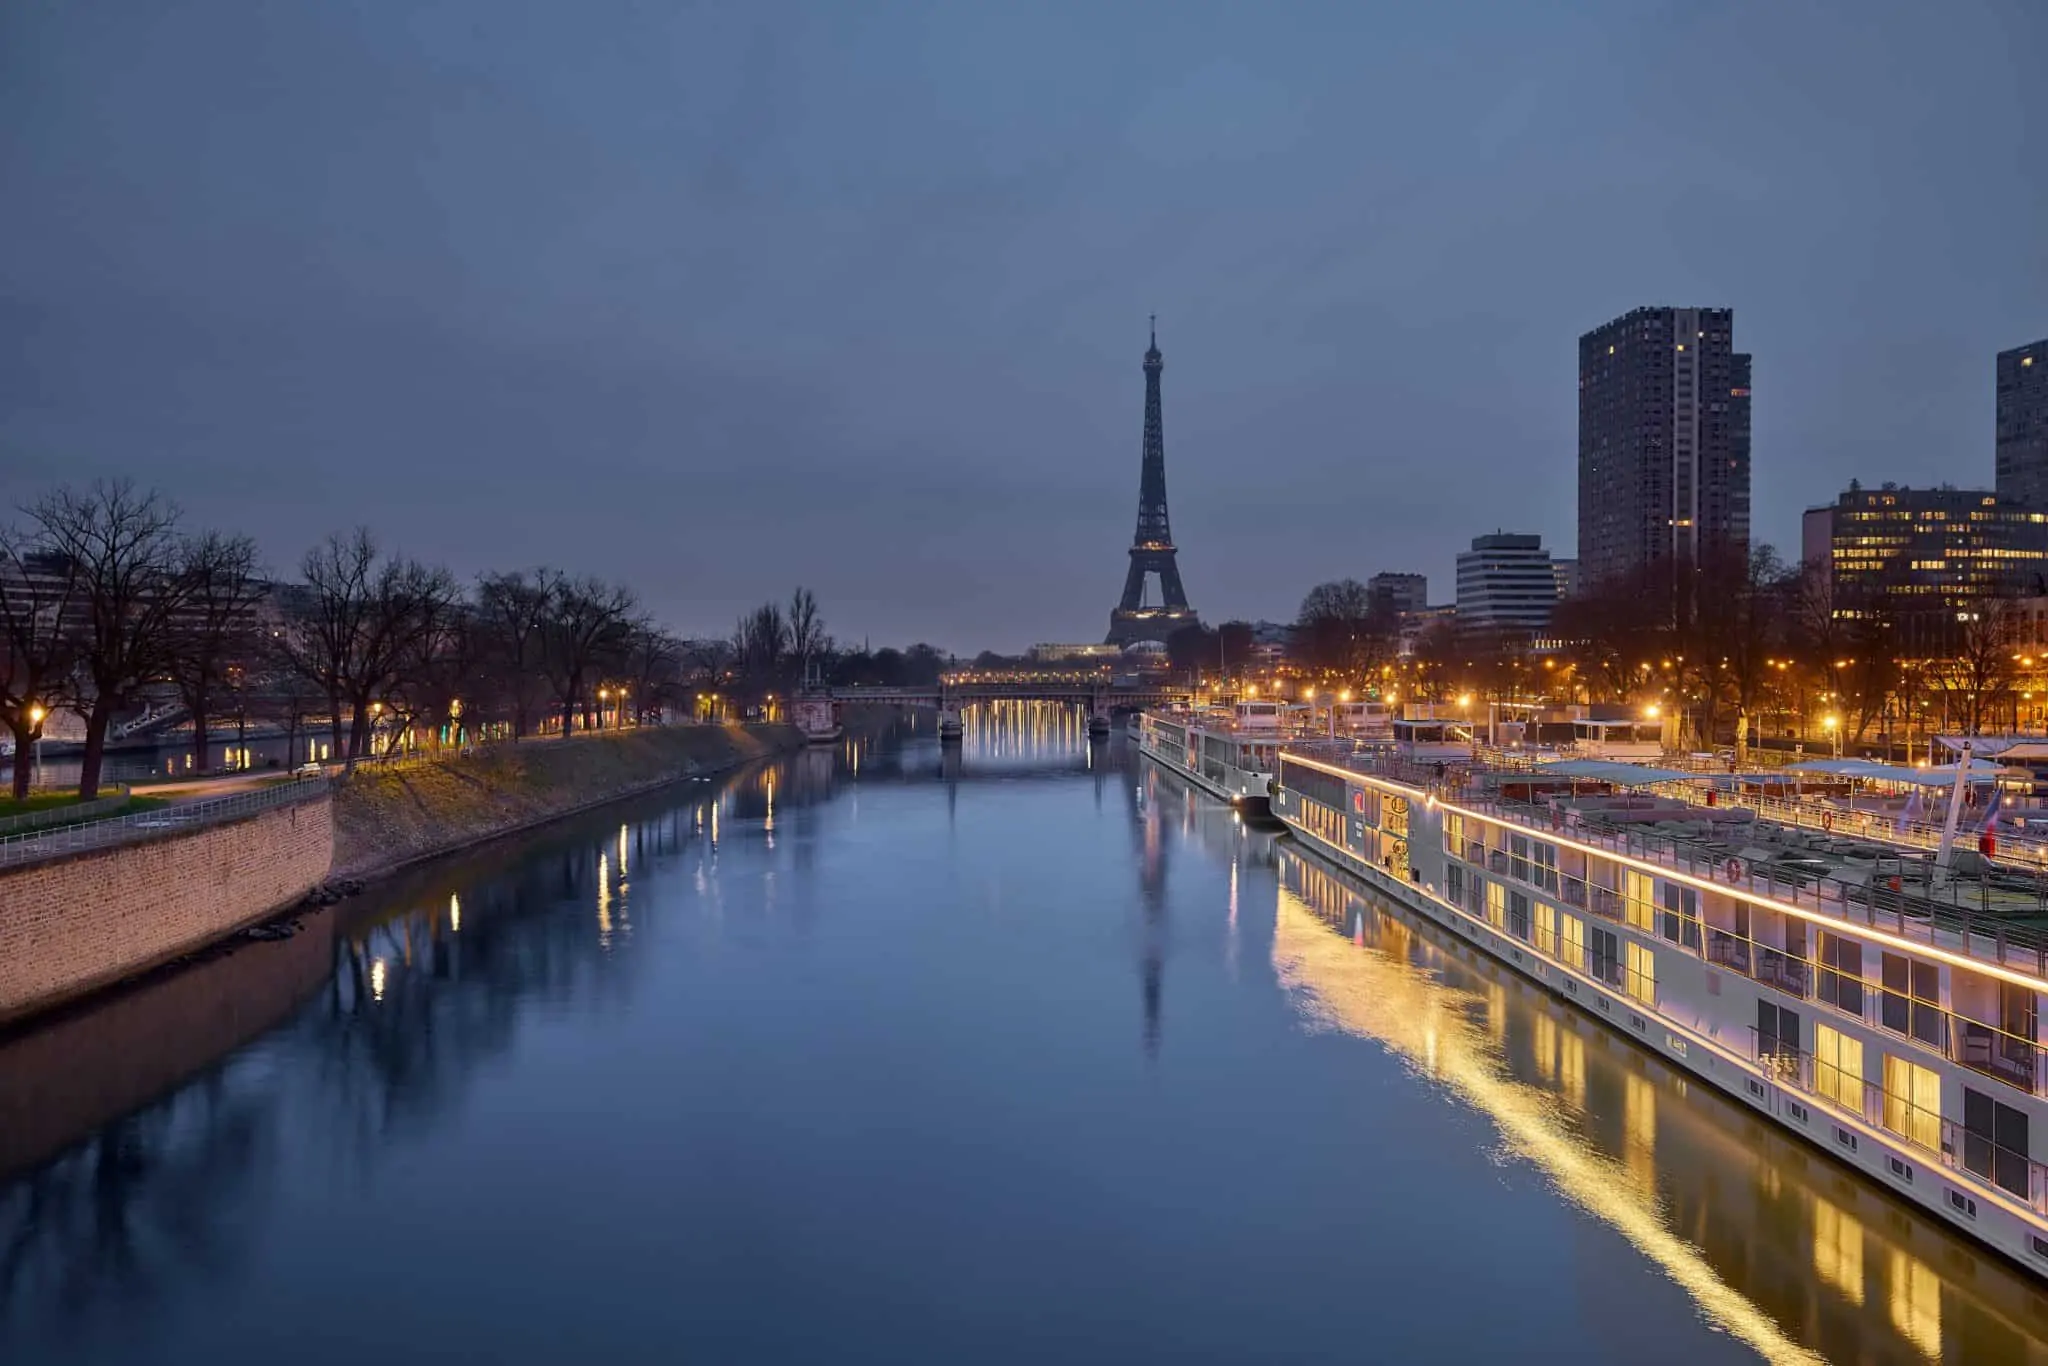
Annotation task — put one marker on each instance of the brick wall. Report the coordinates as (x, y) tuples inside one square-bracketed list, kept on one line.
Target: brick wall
[(70, 926)]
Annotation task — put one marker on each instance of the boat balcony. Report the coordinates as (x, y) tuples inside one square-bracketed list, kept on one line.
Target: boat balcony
[(1956, 1146)]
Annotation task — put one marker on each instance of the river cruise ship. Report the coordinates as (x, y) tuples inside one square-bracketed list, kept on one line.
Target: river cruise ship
[(1228, 752), (1853, 992)]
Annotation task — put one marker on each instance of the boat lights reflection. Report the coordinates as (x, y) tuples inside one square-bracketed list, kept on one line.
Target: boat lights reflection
[(1863, 1292)]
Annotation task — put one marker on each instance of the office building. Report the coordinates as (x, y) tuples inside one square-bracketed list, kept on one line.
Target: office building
[(1506, 582), (1817, 539), (2023, 424), (1663, 442), (1920, 561), (1567, 572), (1396, 595)]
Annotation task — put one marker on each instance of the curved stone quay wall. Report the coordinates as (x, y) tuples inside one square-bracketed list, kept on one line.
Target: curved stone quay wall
[(71, 925)]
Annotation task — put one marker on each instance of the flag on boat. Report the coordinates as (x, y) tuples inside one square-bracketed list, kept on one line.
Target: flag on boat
[(1987, 838)]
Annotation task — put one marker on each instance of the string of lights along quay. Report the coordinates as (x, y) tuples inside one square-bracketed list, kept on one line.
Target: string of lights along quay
[(1858, 1003)]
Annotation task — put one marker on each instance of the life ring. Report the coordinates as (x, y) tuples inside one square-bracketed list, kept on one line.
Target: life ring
[(1827, 821), (1735, 870)]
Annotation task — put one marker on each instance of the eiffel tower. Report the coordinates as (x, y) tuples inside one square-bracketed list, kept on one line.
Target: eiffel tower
[(1136, 618)]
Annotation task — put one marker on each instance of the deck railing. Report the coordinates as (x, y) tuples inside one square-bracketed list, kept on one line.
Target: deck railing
[(1979, 1155)]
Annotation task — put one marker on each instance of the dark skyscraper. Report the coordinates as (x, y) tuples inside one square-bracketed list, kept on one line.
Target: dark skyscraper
[(1137, 617), (1663, 441), (2023, 424)]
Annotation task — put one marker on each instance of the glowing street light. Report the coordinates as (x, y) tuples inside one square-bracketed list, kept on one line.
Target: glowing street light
[(35, 721)]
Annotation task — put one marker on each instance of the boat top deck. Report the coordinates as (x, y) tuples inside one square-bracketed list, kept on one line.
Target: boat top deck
[(1984, 909)]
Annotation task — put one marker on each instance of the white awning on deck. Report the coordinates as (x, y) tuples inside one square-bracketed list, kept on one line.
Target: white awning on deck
[(1618, 773)]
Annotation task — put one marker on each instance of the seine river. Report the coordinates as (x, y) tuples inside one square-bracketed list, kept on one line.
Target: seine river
[(872, 1055)]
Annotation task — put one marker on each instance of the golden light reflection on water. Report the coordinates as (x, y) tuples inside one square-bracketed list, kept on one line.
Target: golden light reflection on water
[(1371, 995), (1776, 1244), (1916, 1303), (1838, 1249), (1379, 994), (1036, 731)]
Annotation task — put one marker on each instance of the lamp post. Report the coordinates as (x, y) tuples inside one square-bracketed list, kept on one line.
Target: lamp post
[(1832, 724), (35, 721)]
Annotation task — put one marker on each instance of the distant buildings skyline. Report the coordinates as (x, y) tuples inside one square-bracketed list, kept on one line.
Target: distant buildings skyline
[(1926, 556)]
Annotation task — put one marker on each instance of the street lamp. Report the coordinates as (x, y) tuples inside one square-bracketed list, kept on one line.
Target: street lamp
[(35, 721), (1832, 724)]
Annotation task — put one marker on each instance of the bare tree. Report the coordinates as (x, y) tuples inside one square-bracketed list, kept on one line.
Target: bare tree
[(584, 631), (124, 549), (39, 602), (216, 633), (760, 643), (289, 692), (654, 667), (1976, 676), (512, 612), (364, 621), (1613, 629), (1338, 628), (1724, 648), (807, 639), (440, 676), (331, 611)]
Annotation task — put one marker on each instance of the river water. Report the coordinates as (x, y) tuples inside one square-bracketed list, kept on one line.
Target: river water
[(1026, 1054)]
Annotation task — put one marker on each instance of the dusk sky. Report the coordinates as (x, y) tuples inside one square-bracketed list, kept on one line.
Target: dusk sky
[(722, 299)]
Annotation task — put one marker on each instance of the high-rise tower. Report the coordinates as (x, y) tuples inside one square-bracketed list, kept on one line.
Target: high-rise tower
[(1663, 443), (1136, 617), (2023, 424)]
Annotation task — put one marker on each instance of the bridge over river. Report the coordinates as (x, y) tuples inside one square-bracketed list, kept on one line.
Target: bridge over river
[(1100, 696)]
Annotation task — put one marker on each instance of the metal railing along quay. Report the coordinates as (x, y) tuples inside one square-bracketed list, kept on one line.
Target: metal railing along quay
[(65, 815), (39, 845)]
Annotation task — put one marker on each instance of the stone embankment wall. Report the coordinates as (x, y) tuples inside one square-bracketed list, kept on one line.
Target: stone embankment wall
[(385, 818), (75, 924)]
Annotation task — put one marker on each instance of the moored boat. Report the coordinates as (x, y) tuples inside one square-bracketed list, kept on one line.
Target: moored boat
[(1228, 752), (1883, 1005)]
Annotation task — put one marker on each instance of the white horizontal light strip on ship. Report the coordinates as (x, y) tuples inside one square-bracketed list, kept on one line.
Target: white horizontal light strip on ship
[(1820, 918)]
